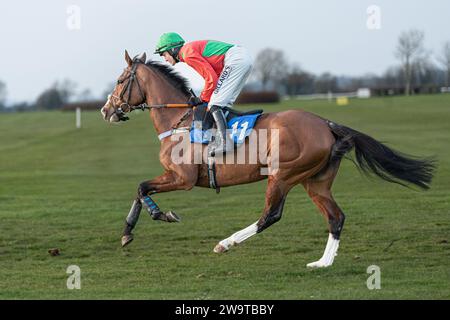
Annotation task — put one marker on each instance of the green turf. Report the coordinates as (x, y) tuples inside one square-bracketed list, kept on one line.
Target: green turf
[(71, 189)]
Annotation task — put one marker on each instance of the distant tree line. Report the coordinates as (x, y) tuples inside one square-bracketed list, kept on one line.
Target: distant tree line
[(55, 97), (418, 71)]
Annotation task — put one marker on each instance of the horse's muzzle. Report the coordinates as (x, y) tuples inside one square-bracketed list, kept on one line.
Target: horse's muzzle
[(108, 114), (104, 112)]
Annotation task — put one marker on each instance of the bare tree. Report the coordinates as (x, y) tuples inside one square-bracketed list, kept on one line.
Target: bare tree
[(270, 66), (84, 95), (410, 51), (50, 99), (326, 82), (66, 89), (298, 81), (56, 96), (444, 59)]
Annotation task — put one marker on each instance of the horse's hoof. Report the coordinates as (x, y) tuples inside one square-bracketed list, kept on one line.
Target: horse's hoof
[(318, 264), (126, 239), (220, 248), (172, 217)]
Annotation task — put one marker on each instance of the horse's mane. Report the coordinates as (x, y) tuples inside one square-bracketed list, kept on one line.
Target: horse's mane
[(178, 81)]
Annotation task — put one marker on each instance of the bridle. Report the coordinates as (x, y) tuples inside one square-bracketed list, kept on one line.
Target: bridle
[(119, 111), (126, 91)]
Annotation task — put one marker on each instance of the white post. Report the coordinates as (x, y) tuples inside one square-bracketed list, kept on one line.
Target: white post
[(78, 118)]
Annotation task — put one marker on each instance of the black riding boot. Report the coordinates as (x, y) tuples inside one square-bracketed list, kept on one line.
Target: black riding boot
[(219, 146)]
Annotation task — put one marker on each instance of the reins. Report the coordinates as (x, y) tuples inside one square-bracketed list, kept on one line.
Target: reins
[(121, 114), (168, 105), (144, 106)]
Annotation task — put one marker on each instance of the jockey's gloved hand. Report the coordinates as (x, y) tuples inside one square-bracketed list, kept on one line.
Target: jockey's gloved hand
[(195, 101)]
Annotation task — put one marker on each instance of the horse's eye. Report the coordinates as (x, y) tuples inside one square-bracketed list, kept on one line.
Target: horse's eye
[(119, 81)]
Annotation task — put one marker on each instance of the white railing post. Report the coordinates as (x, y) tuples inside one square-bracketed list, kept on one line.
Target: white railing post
[(78, 118)]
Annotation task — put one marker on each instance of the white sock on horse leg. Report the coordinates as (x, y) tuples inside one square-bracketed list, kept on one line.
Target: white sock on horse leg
[(240, 236), (329, 246), (329, 253), (332, 246)]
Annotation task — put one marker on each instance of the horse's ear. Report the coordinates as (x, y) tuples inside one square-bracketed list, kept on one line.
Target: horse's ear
[(128, 59), (142, 57)]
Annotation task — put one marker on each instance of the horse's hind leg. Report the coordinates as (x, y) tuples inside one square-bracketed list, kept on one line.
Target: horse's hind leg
[(275, 198), (319, 189)]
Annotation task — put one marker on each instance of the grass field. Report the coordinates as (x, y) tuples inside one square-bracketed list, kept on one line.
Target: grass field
[(71, 189)]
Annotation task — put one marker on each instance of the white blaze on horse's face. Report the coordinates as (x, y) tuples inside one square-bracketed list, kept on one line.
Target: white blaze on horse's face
[(108, 111)]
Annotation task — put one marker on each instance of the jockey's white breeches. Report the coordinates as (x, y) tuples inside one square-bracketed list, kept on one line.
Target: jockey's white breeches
[(237, 68)]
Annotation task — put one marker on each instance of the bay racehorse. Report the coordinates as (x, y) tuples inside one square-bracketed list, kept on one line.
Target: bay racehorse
[(310, 149)]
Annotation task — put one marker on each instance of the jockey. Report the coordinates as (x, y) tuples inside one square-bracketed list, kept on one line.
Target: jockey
[(225, 68)]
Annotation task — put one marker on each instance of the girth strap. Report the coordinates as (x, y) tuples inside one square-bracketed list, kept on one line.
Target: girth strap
[(170, 132)]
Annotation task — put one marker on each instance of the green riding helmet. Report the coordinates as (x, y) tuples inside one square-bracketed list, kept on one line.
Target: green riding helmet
[(169, 41)]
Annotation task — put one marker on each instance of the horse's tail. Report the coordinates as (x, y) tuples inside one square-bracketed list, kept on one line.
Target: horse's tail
[(373, 156)]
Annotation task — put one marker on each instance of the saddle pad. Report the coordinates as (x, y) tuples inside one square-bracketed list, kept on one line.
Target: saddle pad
[(238, 127)]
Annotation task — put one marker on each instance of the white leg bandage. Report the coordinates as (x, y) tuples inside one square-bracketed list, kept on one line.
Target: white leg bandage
[(239, 236), (328, 255)]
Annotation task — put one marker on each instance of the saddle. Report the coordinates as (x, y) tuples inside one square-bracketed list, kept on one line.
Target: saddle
[(205, 118), (240, 123)]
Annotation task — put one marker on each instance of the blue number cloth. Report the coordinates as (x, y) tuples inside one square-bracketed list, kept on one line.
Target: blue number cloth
[(238, 127)]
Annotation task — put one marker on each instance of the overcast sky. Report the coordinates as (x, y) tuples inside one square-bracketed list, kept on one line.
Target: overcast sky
[(41, 42)]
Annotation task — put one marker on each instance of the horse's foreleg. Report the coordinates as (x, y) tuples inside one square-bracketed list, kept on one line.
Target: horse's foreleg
[(169, 181), (320, 194), (275, 198), (131, 221)]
